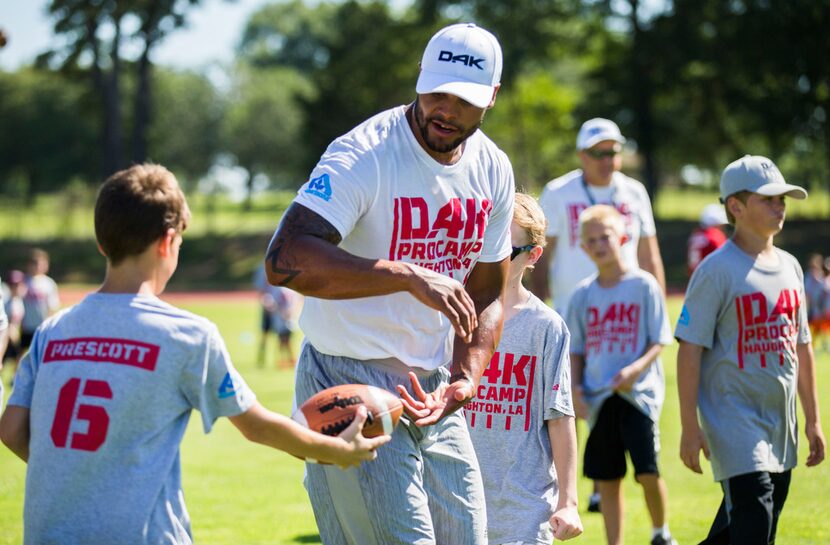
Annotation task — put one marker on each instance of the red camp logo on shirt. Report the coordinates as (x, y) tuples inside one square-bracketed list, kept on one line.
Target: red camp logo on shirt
[(451, 242), (103, 350), (614, 329), (765, 329), (505, 392)]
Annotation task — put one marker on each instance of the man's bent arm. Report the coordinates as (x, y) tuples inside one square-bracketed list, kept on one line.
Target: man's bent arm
[(486, 285), (304, 256)]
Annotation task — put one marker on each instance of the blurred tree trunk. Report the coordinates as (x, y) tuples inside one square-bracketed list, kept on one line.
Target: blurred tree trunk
[(108, 85), (643, 93), (143, 108)]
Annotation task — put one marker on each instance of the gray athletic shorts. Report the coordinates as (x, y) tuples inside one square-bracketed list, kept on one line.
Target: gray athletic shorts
[(425, 486)]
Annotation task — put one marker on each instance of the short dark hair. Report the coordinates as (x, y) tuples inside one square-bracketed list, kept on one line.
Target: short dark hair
[(135, 208), (741, 196)]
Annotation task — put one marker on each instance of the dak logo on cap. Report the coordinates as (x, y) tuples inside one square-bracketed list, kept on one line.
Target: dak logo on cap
[(467, 60)]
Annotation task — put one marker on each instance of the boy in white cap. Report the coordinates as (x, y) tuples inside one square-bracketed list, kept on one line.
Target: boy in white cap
[(744, 352), (401, 237), (599, 181), (103, 397)]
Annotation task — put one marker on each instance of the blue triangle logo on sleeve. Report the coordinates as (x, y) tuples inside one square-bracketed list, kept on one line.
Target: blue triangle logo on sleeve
[(227, 388), (320, 187), (684, 316)]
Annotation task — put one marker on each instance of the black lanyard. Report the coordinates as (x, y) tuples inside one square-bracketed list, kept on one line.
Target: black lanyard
[(591, 197)]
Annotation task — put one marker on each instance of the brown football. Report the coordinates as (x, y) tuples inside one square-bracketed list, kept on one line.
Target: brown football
[(333, 409)]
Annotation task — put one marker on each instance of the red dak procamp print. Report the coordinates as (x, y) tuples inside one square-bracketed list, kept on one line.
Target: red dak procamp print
[(447, 245), (614, 330), (767, 329)]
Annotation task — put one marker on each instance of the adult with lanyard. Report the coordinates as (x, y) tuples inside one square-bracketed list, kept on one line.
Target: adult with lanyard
[(599, 181), (565, 265)]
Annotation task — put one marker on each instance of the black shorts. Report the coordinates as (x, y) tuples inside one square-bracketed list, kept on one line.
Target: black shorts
[(26, 340), (14, 351), (621, 427)]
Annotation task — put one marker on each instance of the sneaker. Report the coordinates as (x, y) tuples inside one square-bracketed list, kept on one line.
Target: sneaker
[(660, 540), (593, 503)]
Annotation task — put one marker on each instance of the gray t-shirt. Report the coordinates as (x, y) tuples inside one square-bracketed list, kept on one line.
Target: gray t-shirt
[(612, 327), (749, 318), (110, 384), (526, 383)]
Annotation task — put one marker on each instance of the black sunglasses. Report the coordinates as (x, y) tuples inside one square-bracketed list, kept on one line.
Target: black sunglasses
[(602, 153), (519, 249)]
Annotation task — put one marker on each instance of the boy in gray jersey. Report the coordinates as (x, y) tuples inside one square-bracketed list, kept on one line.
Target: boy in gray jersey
[(744, 351), (522, 420), (102, 399), (619, 325)]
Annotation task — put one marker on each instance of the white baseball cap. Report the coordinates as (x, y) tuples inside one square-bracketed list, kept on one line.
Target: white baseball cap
[(463, 60), (713, 214), (759, 175), (597, 130)]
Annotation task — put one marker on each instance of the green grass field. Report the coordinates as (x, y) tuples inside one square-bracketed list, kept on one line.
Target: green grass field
[(239, 493)]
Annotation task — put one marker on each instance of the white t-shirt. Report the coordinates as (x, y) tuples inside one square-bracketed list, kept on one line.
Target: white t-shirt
[(389, 199), (110, 384), (562, 200), (41, 299)]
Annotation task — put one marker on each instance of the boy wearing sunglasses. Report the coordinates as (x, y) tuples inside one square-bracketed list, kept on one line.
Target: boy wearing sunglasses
[(522, 419)]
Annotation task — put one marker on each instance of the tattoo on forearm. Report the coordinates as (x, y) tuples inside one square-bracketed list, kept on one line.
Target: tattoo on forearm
[(299, 222)]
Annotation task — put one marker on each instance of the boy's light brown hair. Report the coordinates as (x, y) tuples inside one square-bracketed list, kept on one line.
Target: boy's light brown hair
[(529, 216), (604, 214), (135, 208)]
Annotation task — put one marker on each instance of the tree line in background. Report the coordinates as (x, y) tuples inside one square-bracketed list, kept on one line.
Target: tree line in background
[(691, 82)]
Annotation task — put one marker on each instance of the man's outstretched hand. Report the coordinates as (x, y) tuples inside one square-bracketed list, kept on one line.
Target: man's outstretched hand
[(428, 408)]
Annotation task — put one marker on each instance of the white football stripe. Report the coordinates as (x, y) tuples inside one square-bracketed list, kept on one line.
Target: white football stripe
[(379, 401)]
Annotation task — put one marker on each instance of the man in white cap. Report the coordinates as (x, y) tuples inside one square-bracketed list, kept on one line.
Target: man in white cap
[(400, 241), (599, 181), (565, 265), (745, 350)]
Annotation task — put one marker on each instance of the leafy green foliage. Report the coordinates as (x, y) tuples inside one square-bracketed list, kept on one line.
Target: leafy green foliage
[(49, 133)]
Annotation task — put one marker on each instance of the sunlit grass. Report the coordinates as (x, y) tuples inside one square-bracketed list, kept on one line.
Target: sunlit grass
[(239, 493)]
